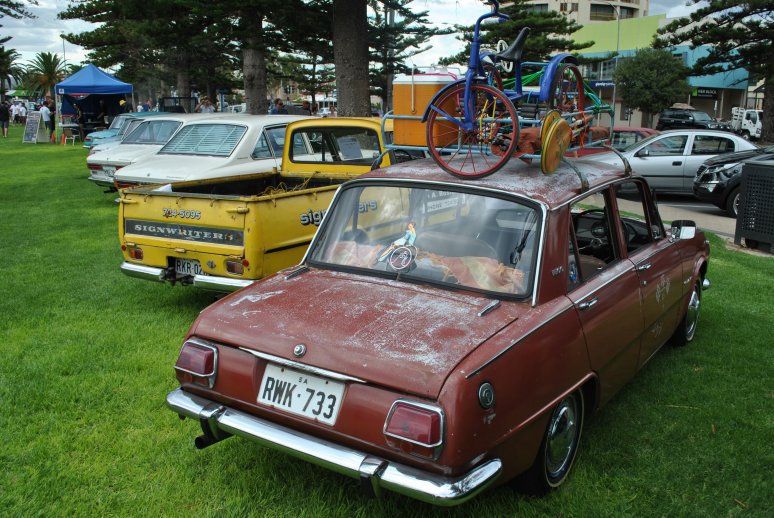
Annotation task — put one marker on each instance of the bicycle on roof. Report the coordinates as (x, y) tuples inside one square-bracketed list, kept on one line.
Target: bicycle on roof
[(472, 124)]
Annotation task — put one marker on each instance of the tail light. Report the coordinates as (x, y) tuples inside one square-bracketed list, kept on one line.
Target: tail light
[(415, 428), (134, 252), (237, 267), (94, 167), (197, 363)]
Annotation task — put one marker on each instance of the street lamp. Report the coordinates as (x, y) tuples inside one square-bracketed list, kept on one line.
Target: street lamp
[(64, 55), (617, 49)]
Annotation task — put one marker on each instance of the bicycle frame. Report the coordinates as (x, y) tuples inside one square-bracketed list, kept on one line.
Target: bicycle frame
[(475, 70)]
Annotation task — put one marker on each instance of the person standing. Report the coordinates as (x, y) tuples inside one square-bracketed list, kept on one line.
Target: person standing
[(23, 114), (279, 108), (14, 113), (5, 118), (205, 106), (45, 115)]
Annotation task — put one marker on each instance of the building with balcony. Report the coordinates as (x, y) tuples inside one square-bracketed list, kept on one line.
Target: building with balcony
[(586, 12)]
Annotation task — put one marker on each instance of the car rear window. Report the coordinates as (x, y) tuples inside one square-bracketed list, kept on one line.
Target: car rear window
[(358, 146), (457, 239), (214, 139), (152, 132)]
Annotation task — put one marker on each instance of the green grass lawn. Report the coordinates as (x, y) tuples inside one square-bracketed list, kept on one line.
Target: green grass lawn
[(87, 357)]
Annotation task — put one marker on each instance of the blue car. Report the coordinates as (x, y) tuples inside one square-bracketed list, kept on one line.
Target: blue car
[(121, 126)]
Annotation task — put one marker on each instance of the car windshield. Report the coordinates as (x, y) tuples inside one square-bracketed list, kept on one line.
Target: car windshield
[(214, 139), (118, 122), (415, 232), (701, 116), (152, 132)]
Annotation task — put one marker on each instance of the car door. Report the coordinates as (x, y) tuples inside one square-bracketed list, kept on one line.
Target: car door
[(662, 162), (657, 262), (604, 289)]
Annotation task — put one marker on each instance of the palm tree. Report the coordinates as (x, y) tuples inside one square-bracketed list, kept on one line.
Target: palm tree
[(8, 69), (43, 72)]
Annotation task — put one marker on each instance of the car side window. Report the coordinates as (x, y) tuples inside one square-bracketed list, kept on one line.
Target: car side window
[(639, 224), (592, 245), (711, 145), (671, 145), (261, 149)]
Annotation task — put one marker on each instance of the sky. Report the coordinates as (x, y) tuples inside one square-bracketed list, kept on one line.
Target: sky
[(42, 34)]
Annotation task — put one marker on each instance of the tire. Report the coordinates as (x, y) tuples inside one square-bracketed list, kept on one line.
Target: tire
[(567, 90), (687, 328), (481, 150), (732, 203), (746, 135), (558, 448)]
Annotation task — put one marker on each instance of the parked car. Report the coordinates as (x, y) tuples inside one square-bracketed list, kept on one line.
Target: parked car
[(719, 179), (144, 141), (230, 145), (675, 118), (119, 127), (443, 335), (623, 137), (669, 161)]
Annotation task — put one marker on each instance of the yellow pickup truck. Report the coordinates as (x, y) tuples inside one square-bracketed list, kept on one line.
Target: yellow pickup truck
[(222, 234)]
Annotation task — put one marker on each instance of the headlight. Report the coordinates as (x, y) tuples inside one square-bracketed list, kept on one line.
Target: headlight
[(728, 171)]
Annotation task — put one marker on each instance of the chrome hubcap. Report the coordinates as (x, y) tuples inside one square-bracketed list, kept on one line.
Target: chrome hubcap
[(562, 432), (692, 316)]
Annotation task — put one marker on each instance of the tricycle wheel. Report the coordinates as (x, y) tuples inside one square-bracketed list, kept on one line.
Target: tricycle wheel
[(558, 449), (472, 148)]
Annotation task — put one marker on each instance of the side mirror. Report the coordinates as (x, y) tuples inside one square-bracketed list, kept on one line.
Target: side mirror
[(643, 153), (683, 229)]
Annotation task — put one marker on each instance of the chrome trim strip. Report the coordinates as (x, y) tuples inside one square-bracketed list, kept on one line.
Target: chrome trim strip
[(415, 483), (516, 342), (302, 366), (489, 307)]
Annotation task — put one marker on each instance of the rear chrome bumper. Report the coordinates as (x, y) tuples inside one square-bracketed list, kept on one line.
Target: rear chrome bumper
[(205, 282), (375, 473)]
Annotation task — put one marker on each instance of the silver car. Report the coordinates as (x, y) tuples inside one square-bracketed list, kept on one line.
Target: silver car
[(669, 161)]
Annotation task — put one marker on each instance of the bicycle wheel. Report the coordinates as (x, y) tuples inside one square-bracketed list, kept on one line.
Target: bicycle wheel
[(567, 93), (486, 146)]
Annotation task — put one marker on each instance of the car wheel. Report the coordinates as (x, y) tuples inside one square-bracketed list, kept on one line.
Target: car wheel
[(558, 449), (732, 203), (687, 327), (746, 135)]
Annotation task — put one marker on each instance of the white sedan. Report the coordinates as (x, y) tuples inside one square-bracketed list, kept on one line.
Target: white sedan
[(225, 146), (144, 141), (669, 160)]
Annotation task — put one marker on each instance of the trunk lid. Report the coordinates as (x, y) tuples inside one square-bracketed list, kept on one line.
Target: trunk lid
[(404, 336)]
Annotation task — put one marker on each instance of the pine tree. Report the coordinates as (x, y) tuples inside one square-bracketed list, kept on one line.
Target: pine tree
[(550, 32)]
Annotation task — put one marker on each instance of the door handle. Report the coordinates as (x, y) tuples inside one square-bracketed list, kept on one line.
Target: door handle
[(643, 267), (677, 163), (587, 304)]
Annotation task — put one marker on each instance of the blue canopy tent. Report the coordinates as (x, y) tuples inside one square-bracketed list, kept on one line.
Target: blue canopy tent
[(94, 92)]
